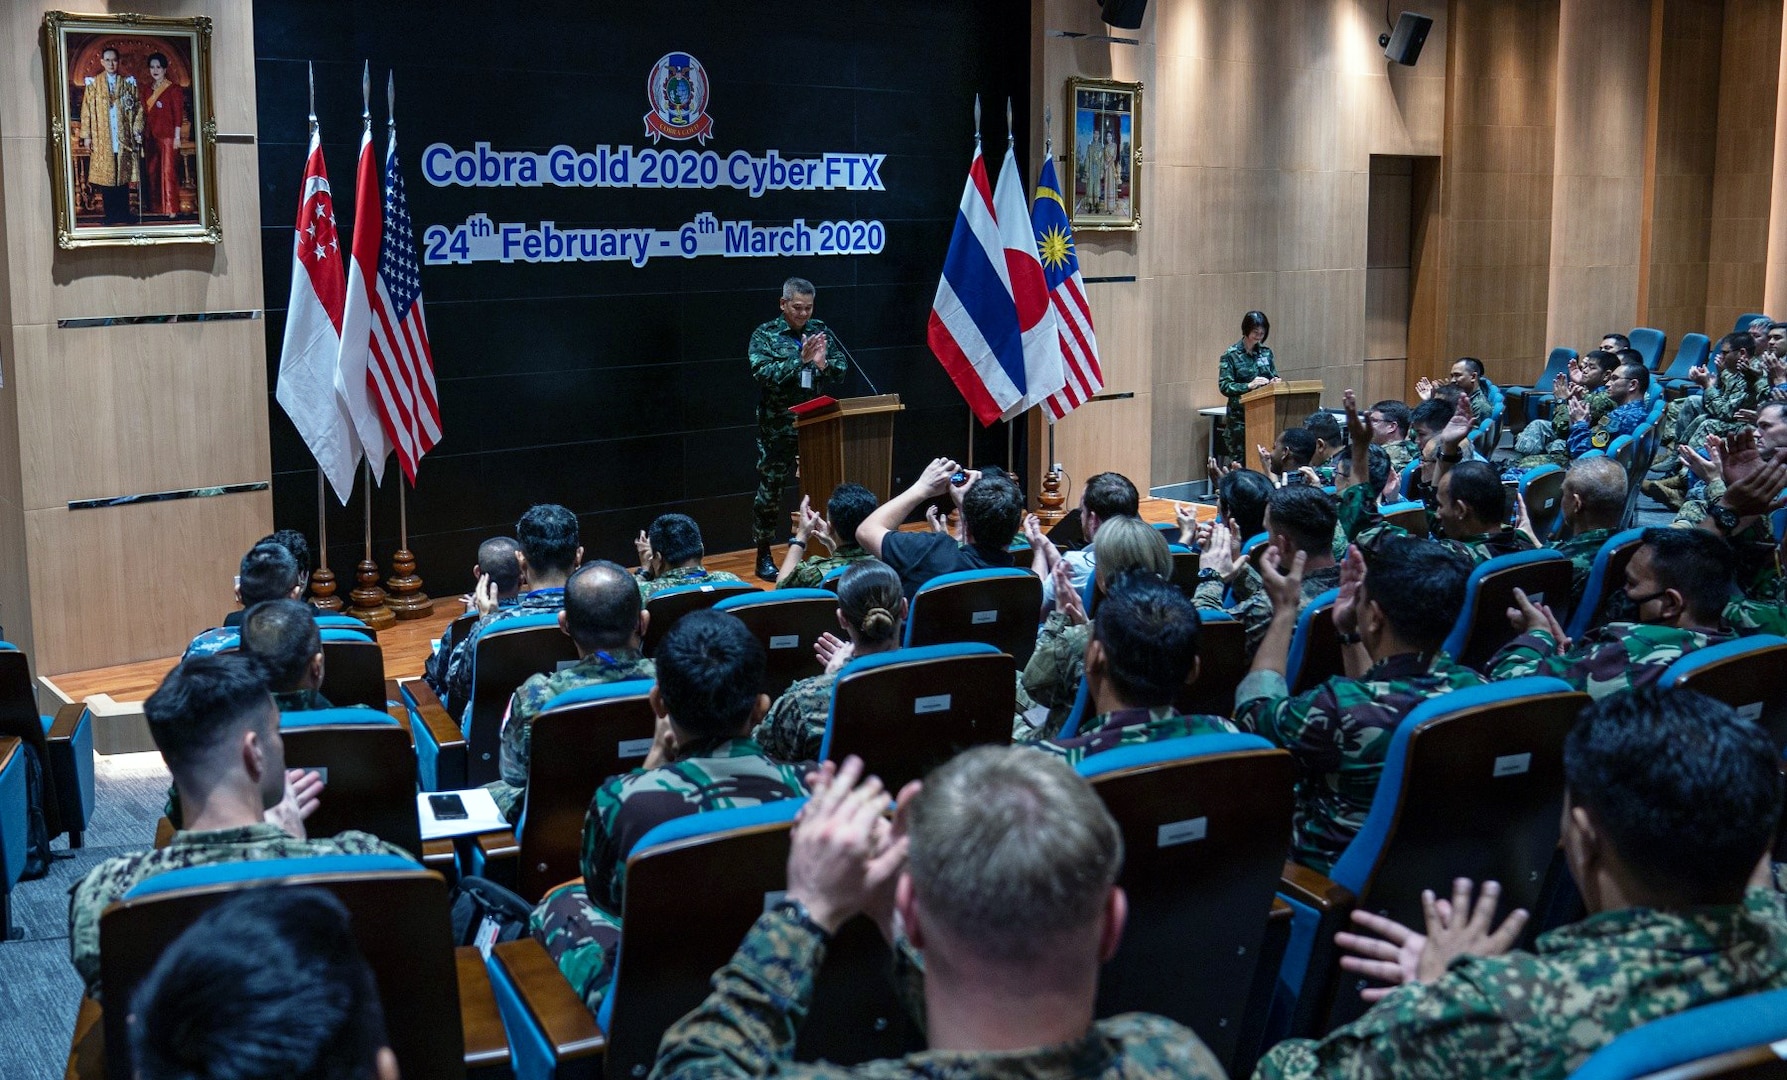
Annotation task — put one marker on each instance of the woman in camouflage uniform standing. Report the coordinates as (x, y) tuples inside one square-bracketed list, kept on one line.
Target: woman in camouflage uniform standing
[(1247, 365)]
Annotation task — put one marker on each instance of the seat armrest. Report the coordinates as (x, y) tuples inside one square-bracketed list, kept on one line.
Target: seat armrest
[(1301, 883), (67, 718), (437, 738), (70, 751), (86, 1052), (396, 706), (486, 1045), (496, 856), (441, 857), (545, 1018), (164, 833), (1333, 904)]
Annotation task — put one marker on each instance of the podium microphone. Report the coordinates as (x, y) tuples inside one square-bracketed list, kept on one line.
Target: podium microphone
[(863, 371)]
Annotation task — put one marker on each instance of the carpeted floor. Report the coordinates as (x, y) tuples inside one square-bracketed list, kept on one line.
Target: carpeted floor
[(36, 981)]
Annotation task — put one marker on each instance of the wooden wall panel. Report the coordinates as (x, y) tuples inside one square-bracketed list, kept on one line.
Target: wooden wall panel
[(1685, 53), (126, 409), (1597, 204), (1749, 67)]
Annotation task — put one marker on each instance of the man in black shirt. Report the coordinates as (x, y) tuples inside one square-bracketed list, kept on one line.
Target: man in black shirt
[(992, 508)]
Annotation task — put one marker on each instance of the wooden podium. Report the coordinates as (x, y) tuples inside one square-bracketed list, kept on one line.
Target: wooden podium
[(851, 439), (1272, 409)]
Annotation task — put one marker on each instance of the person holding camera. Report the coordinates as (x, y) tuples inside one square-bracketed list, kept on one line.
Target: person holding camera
[(992, 507)]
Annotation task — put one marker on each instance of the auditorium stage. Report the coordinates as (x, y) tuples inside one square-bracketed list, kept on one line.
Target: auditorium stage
[(407, 644)]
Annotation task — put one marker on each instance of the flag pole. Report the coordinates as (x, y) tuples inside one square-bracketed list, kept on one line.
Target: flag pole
[(369, 600), (970, 461), (322, 580), (407, 599)]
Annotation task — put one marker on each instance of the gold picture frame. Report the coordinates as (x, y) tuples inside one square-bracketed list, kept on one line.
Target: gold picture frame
[(1104, 154), (158, 146)]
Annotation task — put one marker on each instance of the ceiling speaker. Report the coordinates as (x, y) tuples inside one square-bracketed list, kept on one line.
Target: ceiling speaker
[(1403, 44), (1126, 14)]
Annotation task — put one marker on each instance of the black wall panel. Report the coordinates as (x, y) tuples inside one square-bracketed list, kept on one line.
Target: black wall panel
[(623, 392)]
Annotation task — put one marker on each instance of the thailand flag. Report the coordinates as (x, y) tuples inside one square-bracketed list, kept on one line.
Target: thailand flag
[(1067, 294), (1044, 373), (974, 329)]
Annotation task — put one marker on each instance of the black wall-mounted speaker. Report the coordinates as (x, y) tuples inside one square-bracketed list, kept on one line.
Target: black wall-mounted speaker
[(1126, 14), (1403, 44)]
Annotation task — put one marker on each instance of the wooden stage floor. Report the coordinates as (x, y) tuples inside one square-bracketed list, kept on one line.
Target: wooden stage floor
[(408, 644)]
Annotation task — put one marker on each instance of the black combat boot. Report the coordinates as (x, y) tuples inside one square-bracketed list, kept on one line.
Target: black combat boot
[(766, 563)]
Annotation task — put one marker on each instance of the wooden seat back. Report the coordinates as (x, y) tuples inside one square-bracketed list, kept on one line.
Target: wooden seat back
[(787, 623), (907, 711), (1749, 674), (998, 607), (1411, 517), (1222, 664), (579, 740), (369, 773), (502, 660), (672, 943), (1315, 649), (1606, 581), (400, 921), (672, 604), (353, 671), (1204, 841), (1483, 626)]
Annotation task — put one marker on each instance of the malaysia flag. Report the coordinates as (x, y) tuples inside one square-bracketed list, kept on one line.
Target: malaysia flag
[(1044, 374), (306, 387), (1067, 294), (974, 329)]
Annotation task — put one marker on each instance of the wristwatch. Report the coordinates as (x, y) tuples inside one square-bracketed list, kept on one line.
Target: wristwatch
[(1207, 574), (1723, 516), (1349, 639), (795, 541), (799, 915)]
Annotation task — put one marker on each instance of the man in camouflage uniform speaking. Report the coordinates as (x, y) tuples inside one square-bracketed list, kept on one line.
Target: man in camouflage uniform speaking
[(794, 358), (1002, 866), (1671, 800)]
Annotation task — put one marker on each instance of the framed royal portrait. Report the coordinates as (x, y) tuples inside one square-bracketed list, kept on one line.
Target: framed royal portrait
[(1104, 155), (133, 140)]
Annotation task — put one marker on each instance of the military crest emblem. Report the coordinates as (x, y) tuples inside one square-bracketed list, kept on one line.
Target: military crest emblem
[(677, 88)]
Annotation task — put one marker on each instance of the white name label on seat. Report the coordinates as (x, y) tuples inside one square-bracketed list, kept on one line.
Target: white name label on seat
[(932, 703), (984, 617), (1752, 711), (784, 641), (1513, 764), (633, 747), (1183, 832), (1537, 598)]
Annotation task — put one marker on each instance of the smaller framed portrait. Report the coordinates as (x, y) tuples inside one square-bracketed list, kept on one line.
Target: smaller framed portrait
[(133, 140), (1104, 155)]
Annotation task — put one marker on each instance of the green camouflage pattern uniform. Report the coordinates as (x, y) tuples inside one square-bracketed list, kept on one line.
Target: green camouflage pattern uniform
[(1719, 403), (459, 669), (810, 571), (1365, 526), (1234, 371), (1481, 410), (1581, 550), (794, 728), (1129, 727), (111, 879), (1255, 612), (1608, 659), (579, 923), (776, 365), (1052, 677), (683, 575), (1338, 734), (1542, 1014), (1400, 454), (747, 1025), (535, 694)]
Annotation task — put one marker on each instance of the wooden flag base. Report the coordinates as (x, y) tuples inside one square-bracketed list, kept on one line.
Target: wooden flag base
[(1052, 503), (407, 600), (322, 590), (369, 600)]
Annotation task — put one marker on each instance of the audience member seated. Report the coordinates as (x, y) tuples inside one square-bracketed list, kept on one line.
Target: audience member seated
[(1670, 804), (1542, 441), (1106, 495), (1731, 382), (1295, 449), (269, 983), (1627, 389), (497, 561), (1392, 618), (1678, 583), (848, 506), (605, 619), (992, 507), (1426, 423), (1144, 647), (1300, 519), (549, 552), (1467, 376), (703, 758), (1470, 514), (1052, 677), (1614, 343), (215, 725), (293, 541), (670, 554), (1389, 424), (871, 612), (1593, 502), (1742, 513), (1001, 866), (1328, 438), (268, 572)]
